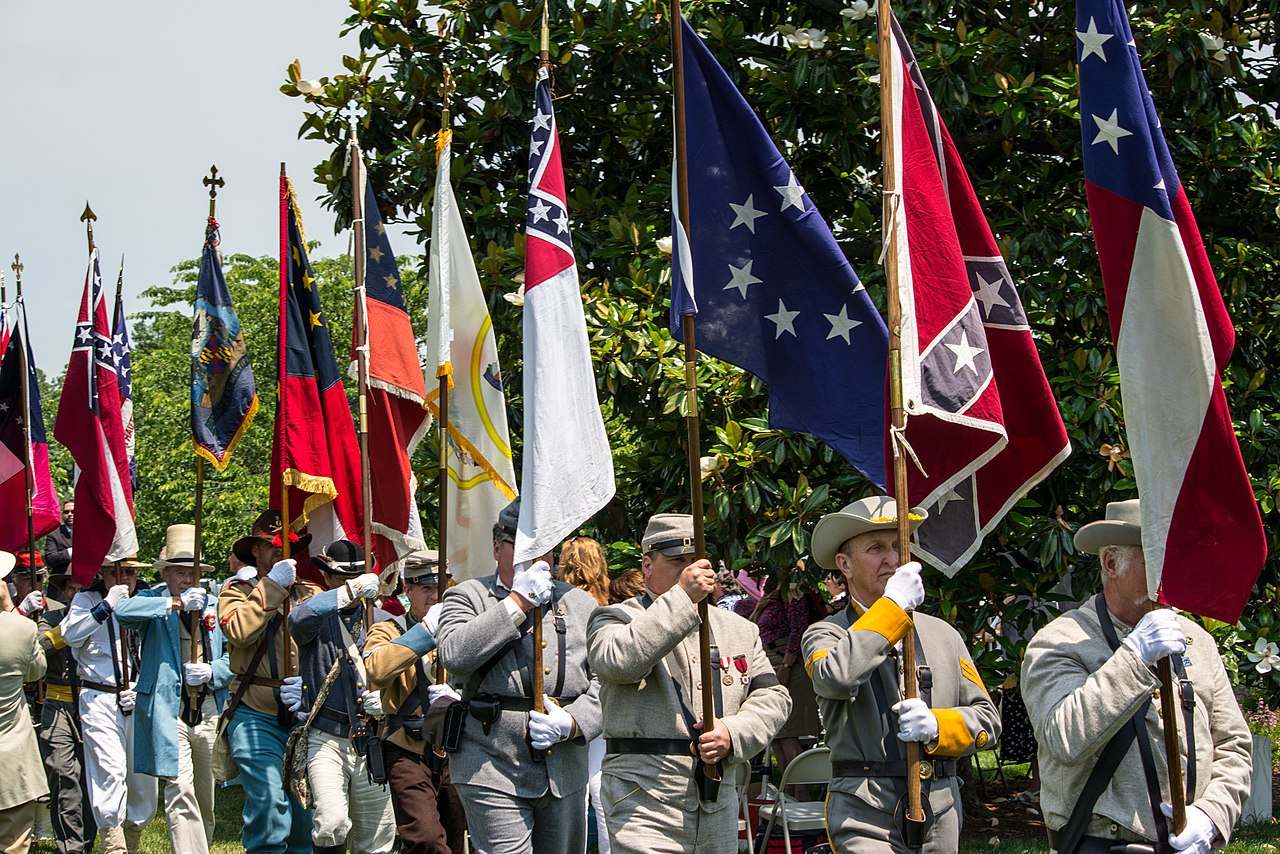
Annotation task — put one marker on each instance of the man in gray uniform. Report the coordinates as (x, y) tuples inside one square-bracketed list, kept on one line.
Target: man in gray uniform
[(645, 651), (853, 658), (516, 801), (1088, 681)]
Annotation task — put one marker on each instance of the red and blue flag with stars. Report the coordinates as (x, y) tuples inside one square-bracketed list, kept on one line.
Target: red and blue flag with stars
[(1172, 335), (90, 426), (124, 381)]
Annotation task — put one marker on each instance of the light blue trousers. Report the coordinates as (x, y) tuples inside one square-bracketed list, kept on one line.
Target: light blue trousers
[(274, 823)]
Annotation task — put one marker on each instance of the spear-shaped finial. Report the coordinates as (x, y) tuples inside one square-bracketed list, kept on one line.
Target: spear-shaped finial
[(87, 218), (446, 90), (546, 36), (213, 182)]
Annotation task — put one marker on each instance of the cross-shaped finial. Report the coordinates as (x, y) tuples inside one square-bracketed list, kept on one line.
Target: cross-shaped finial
[(213, 182), (87, 218), (17, 268), (353, 112), (446, 89)]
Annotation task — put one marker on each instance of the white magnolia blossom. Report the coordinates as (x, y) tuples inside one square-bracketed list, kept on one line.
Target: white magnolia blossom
[(1213, 46), (859, 9), (664, 245), (310, 87), (1265, 655), (808, 37)]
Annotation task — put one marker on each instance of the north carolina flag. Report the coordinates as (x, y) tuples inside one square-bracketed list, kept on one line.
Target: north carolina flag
[(315, 436), (16, 454), (1172, 336), (982, 425), (89, 425), (396, 418), (567, 471), (462, 352)]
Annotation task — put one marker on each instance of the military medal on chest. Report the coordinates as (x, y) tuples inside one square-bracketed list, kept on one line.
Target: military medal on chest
[(741, 664), (724, 666)]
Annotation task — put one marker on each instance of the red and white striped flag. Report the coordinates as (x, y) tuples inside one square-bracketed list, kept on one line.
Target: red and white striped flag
[(567, 473)]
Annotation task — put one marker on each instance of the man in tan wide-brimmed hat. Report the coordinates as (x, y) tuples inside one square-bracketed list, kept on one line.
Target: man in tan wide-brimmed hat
[(1088, 681), (853, 658)]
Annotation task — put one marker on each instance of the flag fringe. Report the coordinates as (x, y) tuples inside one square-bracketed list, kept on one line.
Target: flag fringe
[(505, 488), (321, 489), (221, 464)]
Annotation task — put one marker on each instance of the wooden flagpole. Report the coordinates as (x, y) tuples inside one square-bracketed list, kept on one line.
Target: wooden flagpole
[(281, 366), (442, 565), (712, 771)]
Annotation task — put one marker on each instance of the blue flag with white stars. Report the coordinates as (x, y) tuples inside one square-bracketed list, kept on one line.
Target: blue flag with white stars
[(771, 290)]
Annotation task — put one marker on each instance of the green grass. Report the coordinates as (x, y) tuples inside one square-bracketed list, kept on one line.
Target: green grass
[(155, 838), (1262, 839)]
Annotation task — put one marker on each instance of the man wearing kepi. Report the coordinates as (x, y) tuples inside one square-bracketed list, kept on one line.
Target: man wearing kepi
[(250, 614), (854, 658), (176, 718), (400, 658), (516, 800), (1089, 679), (342, 752), (645, 651)]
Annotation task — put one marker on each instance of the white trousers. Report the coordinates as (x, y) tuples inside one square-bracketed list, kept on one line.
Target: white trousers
[(188, 799), (595, 756), (349, 809), (116, 794)]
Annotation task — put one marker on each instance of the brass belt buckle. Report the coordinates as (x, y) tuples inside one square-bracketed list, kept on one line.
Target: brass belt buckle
[(926, 769)]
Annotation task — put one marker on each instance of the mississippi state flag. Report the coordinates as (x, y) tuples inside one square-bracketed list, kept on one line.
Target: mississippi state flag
[(982, 423), (567, 473), (89, 425), (1172, 336), (397, 419), (17, 454)]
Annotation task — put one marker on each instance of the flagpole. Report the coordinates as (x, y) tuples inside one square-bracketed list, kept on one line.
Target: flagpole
[(442, 564), (281, 367), (914, 825), (711, 771), (1172, 746), (28, 474), (362, 356)]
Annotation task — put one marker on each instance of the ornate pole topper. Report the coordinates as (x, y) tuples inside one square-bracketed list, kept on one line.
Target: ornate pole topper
[(87, 218), (214, 183)]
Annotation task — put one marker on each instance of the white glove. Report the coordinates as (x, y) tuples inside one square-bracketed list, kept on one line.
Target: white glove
[(915, 721), (1199, 834), (533, 583), (196, 673), (291, 690), (128, 699), (33, 603), (431, 621), (905, 587), (193, 599), (372, 704), (284, 572), (365, 586), (555, 726), (435, 692), (116, 595), (1157, 634), (248, 573)]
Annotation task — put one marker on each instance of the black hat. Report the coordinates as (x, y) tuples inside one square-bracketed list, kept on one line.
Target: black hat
[(341, 557), (508, 521), (266, 529)]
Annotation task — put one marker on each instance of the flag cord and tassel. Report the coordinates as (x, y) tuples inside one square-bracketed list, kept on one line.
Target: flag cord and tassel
[(707, 775), (442, 556), (914, 822)]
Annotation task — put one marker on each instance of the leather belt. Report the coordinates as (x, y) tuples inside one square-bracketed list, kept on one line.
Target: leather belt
[(928, 768), (100, 686), (650, 746), (1102, 845), (515, 704), (335, 716), (262, 681)]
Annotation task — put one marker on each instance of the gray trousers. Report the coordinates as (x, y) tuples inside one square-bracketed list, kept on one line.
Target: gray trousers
[(640, 823), (63, 754), (505, 824), (854, 825)]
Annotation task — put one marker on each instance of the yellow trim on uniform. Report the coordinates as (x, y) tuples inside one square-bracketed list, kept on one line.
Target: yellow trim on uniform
[(55, 637), (60, 693), (953, 734), (971, 673), (886, 619), (818, 655)]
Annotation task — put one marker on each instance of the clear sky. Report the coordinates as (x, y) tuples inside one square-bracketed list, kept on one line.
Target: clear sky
[(126, 104)]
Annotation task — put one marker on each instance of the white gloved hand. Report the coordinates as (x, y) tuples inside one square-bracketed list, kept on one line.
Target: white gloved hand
[(116, 595), (248, 573), (533, 583), (435, 692), (1157, 634), (372, 704), (916, 722), (32, 603), (128, 699), (196, 673), (1199, 834), (291, 692), (905, 587), (365, 586), (284, 572), (431, 621), (555, 726), (194, 599)]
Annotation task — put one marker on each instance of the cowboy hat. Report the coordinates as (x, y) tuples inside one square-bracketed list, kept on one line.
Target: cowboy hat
[(875, 513), (1121, 525), (266, 529), (179, 548)]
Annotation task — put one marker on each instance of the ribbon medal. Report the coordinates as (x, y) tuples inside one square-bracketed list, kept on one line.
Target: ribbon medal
[(741, 663), (724, 665)]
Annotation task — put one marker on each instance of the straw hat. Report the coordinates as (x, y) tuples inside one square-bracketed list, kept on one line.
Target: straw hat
[(875, 513), (180, 548)]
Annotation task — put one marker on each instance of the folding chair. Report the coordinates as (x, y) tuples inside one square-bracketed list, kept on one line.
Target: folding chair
[(812, 767), (742, 777)]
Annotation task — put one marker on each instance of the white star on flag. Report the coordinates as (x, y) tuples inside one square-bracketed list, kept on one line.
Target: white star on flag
[(951, 495), (742, 278), (1160, 185), (988, 293), (1093, 41), (535, 147), (792, 194), (841, 324), (84, 334), (1110, 132), (746, 214), (784, 320), (562, 221), (965, 354), (541, 121), (540, 211)]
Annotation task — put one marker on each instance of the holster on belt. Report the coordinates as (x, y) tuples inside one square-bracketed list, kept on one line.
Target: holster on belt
[(485, 708)]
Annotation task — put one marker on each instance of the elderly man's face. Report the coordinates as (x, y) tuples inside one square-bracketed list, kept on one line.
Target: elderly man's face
[(662, 572), (178, 578), (867, 562), (1127, 590), (126, 575)]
